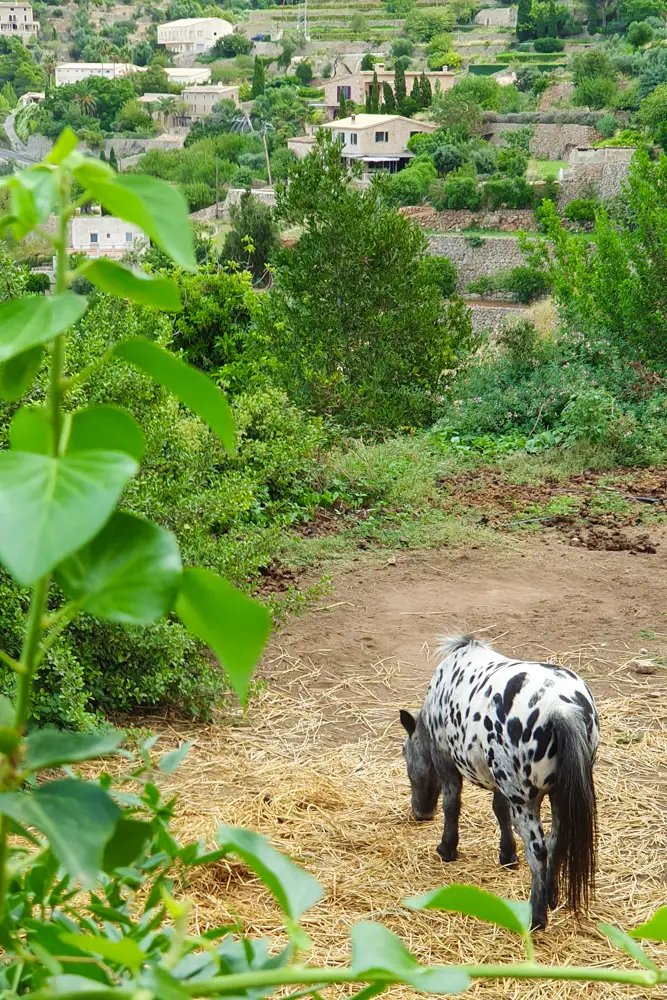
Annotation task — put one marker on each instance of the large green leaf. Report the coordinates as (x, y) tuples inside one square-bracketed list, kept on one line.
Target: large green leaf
[(474, 902), (136, 285), (173, 760), (654, 929), (34, 194), (77, 817), (190, 385), (159, 209), (50, 507), (376, 952), (626, 944), (30, 430), (128, 573), (106, 428), (65, 144), (17, 374), (53, 747), (124, 952), (294, 889), (127, 843), (36, 319), (235, 627)]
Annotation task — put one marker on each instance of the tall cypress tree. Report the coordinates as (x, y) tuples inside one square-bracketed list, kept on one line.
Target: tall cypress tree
[(258, 79), (552, 20), (426, 92), (375, 95), (369, 98), (523, 18), (416, 92), (388, 98), (399, 85), (591, 16), (113, 162), (342, 107)]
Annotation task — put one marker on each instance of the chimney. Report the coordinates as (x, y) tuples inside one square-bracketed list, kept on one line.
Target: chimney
[(353, 118), (379, 67)]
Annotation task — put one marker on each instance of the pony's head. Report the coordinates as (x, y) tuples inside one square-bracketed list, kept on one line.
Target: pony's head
[(424, 783)]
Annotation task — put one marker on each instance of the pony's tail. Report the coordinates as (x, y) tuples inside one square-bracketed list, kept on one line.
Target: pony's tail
[(573, 801)]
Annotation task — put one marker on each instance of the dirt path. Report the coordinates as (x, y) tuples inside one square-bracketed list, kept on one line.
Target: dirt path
[(316, 766)]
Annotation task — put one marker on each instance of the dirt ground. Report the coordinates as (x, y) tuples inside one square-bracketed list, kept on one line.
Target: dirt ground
[(316, 764)]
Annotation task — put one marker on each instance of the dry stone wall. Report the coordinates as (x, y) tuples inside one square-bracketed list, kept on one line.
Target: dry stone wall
[(549, 142), (497, 253), (599, 171), (506, 220), (486, 317)]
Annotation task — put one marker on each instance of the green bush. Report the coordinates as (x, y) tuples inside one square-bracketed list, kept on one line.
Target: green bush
[(442, 272), (594, 92), (508, 192), (549, 45), (581, 210), (457, 193)]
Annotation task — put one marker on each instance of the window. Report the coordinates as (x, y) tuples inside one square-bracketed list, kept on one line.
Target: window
[(129, 237), (345, 91), (94, 238), (382, 137), (108, 236), (414, 133), (353, 138)]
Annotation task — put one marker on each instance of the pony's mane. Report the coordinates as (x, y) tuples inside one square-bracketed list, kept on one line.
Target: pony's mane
[(448, 644)]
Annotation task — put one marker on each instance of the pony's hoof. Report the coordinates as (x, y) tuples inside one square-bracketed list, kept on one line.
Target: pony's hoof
[(509, 861), (552, 899), (539, 922), (446, 853)]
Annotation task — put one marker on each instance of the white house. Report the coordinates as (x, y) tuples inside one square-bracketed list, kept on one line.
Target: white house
[(75, 72), (192, 35), (188, 75), (16, 21), (103, 235)]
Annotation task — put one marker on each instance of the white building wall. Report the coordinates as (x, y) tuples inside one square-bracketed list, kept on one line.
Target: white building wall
[(75, 72), (192, 34), (103, 235), (16, 20)]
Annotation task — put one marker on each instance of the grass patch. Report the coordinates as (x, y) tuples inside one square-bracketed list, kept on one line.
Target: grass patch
[(544, 169)]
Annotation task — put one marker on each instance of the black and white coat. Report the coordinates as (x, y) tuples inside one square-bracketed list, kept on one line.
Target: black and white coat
[(523, 730)]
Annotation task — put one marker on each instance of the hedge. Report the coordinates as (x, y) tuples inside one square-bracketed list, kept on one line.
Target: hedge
[(570, 117), (485, 69)]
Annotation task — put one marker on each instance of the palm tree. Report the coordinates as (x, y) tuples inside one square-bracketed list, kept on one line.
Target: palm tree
[(87, 104), (166, 106), (49, 65), (243, 123)]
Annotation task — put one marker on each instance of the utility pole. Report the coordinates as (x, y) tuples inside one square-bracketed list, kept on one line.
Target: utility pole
[(305, 19), (217, 199)]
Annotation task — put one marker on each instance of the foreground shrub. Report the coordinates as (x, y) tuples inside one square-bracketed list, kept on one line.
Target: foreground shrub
[(458, 193), (581, 210)]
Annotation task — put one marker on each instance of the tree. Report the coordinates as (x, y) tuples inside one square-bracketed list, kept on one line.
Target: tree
[(399, 85), (653, 109), (258, 78), (447, 158), (426, 91), (421, 25), (113, 161), (524, 19), (595, 62), (552, 20), (342, 105), (9, 94), (594, 92), (142, 53), (304, 72), (388, 99), (375, 95), (359, 24), (402, 47), (616, 285), (639, 34), (357, 325), (368, 61), (416, 92), (234, 44), (254, 235)]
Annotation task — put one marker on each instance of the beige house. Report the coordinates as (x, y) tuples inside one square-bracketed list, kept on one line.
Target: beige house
[(192, 35), (355, 86), (103, 235), (202, 100), (379, 142), (16, 21), (75, 72)]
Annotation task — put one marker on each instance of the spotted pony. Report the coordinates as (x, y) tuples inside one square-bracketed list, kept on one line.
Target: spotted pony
[(523, 730)]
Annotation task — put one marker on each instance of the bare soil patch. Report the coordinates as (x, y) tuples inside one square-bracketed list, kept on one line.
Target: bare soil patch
[(316, 764)]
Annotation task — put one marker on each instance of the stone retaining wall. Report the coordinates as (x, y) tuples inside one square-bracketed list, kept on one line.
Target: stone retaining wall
[(494, 317), (549, 142), (39, 146), (599, 171), (497, 253), (506, 220)]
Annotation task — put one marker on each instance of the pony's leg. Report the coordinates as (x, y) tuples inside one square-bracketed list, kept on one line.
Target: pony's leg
[(501, 808), (526, 819), (552, 867), (451, 807)]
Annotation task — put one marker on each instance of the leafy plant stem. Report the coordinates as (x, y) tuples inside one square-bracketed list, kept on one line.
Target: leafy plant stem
[(522, 970)]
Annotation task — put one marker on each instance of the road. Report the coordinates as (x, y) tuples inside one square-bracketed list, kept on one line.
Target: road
[(17, 153)]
